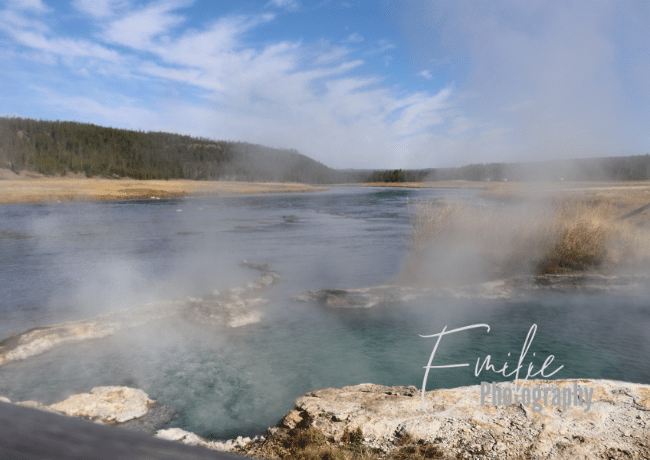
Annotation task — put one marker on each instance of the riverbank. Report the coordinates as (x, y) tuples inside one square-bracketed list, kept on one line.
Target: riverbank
[(535, 228), (31, 189)]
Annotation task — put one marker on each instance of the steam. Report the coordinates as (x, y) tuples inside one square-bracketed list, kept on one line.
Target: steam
[(459, 243), (548, 81), (126, 264)]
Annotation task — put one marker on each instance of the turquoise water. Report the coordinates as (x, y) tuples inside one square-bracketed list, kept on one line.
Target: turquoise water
[(64, 261)]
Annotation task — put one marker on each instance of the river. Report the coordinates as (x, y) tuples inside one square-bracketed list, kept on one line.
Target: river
[(68, 261)]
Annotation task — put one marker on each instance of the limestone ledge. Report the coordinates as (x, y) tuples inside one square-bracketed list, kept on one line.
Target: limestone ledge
[(616, 424), (111, 405)]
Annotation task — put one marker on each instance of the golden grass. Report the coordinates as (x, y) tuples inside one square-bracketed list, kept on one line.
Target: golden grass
[(26, 190), (561, 234)]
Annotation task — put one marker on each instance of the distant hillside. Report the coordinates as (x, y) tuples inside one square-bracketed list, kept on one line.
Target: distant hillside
[(58, 147), (619, 168)]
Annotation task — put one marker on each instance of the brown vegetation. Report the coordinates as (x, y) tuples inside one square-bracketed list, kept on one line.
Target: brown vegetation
[(311, 444), (462, 242), (26, 190)]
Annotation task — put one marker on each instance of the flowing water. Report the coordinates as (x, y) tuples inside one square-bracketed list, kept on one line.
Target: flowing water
[(68, 261)]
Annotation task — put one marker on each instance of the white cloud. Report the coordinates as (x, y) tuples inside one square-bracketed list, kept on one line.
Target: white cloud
[(138, 29), (381, 47), (11, 20), (117, 111), (309, 96), (460, 125), (100, 8), (552, 74), (36, 6), (289, 5), (426, 74), (64, 46), (326, 54), (354, 38)]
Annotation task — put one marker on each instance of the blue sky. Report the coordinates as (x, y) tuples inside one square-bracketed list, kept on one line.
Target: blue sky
[(353, 84)]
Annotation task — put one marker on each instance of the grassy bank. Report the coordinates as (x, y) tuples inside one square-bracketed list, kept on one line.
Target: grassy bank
[(459, 242), (27, 190)]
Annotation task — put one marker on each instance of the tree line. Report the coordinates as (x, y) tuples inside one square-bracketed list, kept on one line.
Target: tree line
[(59, 147)]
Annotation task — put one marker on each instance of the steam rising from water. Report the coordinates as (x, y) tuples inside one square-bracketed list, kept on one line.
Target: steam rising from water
[(238, 382), (537, 81)]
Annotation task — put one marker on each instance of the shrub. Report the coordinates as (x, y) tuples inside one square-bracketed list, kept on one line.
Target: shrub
[(456, 242)]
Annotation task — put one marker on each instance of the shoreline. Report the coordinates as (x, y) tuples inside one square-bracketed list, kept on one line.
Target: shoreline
[(23, 189), (28, 187)]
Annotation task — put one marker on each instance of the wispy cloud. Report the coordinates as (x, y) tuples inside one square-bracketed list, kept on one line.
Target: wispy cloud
[(109, 109), (289, 5), (138, 29), (65, 47), (548, 79), (354, 38), (29, 5), (12, 21), (145, 67), (100, 9), (381, 47)]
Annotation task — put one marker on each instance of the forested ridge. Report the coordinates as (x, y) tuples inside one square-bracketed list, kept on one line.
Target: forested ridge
[(59, 147)]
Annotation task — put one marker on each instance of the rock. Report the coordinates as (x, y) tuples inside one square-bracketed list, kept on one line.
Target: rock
[(186, 437), (617, 424), (41, 339), (178, 435), (158, 416), (108, 404), (35, 405), (244, 319), (371, 296), (499, 289), (292, 420)]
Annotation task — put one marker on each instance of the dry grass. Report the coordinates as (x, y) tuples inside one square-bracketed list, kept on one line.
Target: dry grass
[(518, 191), (311, 444), (412, 449), (564, 234), (26, 190)]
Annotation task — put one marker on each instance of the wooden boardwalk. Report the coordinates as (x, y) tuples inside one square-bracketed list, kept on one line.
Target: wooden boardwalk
[(30, 434)]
